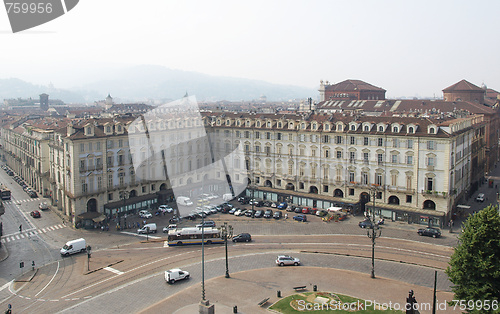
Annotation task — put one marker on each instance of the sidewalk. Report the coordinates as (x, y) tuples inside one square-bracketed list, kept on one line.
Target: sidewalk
[(246, 289)]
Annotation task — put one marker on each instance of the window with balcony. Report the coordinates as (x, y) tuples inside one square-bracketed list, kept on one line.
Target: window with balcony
[(378, 179), (351, 176), (364, 178)]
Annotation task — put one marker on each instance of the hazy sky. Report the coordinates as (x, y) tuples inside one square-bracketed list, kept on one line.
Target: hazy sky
[(410, 48)]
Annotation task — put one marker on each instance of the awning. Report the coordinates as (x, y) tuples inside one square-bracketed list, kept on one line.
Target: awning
[(89, 215), (99, 219)]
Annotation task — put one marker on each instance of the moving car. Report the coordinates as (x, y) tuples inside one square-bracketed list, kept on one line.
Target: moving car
[(165, 209), (242, 237), (35, 214), (283, 260), (151, 228), (365, 224), (430, 232), (43, 206), (169, 227), (480, 197), (145, 214), (173, 275), (206, 223), (302, 218), (74, 246)]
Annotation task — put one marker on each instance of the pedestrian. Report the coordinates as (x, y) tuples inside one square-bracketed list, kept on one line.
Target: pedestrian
[(286, 216), (21, 228)]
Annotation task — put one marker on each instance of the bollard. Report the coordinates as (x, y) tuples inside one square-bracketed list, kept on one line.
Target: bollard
[(315, 288), (235, 309), (278, 293)]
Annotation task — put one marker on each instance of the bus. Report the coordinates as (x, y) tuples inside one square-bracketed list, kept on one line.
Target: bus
[(4, 193), (187, 236)]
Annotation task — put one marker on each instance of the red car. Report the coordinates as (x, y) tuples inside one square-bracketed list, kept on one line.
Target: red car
[(305, 210), (35, 214)]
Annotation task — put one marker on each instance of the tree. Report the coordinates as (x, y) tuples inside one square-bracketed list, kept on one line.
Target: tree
[(474, 267)]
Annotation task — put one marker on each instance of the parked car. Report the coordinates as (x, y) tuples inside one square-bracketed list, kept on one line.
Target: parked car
[(277, 214), (430, 232), (35, 214), (298, 210), (267, 203), (43, 206), (365, 224), (32, 194), (242, 237), (232, 210), (174, 220), (274, 205), (282, 205), (268, 213), (302, 218), (145, 214), (259, 214), (238, 212), (306, 210), (480, 197), (292, 208), (283, 260), (321, 213), (173, 275), (250, 213)]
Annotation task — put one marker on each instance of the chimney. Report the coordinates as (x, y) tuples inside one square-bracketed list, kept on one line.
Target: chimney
[(69, 129)]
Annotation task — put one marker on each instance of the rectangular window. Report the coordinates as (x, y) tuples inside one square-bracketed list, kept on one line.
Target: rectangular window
[(98, 146), (327, 153), (380, 158), (279, 136), (339, 154), (82, 165), (431, 161), (268, 135), (351, 191), (257, 135), (394, 180), (82, 147), (380, 141), (394, 159), (410, 143), (290, 137), (153, 187), (408, 182), (144, 189), (351, 176), (431, 145), (352, 156), (120, 143), (110, 180), (338, 139), (99, 183), (366, 141), (110, 196), (257, 149), (364, 178), (378, 179), (110, 144), (408, 198), (409, 160), (90, 147), (430, 184), (352, 140), (84, 186), (366, 158), (395, 143), (325, 188), (326, 139)]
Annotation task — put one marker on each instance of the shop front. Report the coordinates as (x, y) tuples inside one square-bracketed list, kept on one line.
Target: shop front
[(425, 217), (131, 205)]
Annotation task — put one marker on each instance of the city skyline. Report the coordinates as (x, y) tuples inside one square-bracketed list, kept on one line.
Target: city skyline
[(409, 49)]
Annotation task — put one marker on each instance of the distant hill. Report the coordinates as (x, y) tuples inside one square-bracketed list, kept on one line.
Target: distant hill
[(16, 88), (158, 82), (148, 82)]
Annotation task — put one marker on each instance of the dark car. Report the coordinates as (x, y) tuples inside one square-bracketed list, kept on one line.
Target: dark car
[(277, 214), (300, 218), (32, 194), (268, 213), (242, 237), (250, 213), (258, 203), (267, 203), (35, 214), (430, 232), (190, 217), (206, 223), (365, 224), (282, 205), (259, 214), (298, 210)]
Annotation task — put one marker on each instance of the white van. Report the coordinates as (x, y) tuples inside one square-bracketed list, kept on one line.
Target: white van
[(184, 201), (173, 275), (152, 228), (74, 246)]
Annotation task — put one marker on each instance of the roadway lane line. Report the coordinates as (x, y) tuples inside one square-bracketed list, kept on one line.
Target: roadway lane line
[(116, 271), (49, 281)]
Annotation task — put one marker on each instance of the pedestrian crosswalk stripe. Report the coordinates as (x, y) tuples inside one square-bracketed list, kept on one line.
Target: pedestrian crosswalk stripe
[(19, 236), (43, 230), (22, 236), (8, 239)]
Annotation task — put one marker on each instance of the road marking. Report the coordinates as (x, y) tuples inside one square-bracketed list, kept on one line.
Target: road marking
[(17, 236), (140, 235), (116, 271), (6, 285), (43, 230), (49, 281)]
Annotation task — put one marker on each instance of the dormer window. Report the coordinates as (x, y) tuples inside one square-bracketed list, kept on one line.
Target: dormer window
[(411, 130), (303, 126), (268, 124), (353, 127), (247, 123), (238, 122), (327, 127), (108, 129), (89, 130), (290, 125), (432, 131), (119, 128), (314, 126), (381, 129), (366, 128), (228, 122), (257, 124), (395, 129), (218, 122), (280, 125)]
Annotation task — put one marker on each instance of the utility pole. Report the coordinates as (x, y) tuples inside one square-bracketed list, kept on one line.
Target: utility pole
[(375, 231)]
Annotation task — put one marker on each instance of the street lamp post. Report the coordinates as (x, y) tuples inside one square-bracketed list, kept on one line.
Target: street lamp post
[(226, 233), (375, 232), (124, 195)]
